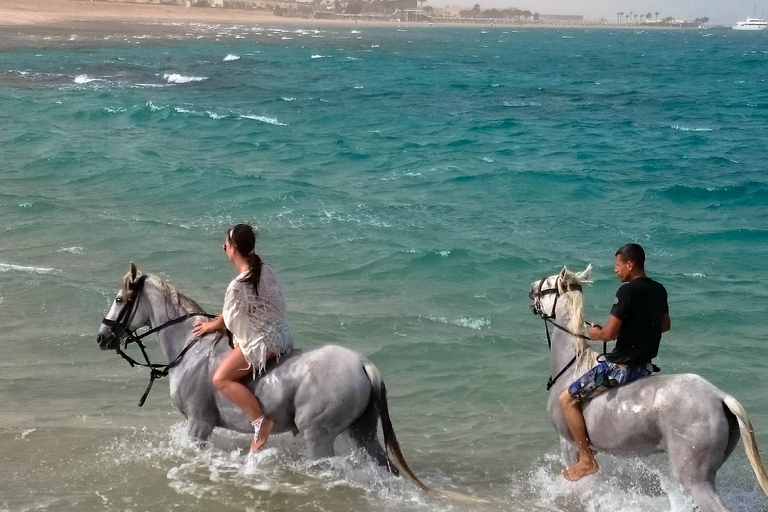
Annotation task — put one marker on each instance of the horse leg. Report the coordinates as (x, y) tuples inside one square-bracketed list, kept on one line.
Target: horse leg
[(319, 443), (570, 453), (199, 431), (364, 431), (695, 467)]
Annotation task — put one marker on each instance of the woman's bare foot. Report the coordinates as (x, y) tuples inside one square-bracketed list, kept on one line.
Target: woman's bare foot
[(262, 428), (584, 467)]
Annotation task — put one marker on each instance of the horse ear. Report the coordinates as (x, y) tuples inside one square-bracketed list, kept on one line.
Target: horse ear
[(584, 275), (563, 272), (134, 272)]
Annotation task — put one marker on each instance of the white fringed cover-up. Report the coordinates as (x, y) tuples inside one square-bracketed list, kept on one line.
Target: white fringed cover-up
[(257, 322)]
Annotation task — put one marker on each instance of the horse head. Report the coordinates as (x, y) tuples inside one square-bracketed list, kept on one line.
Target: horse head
[(126, 315), (545, 293)]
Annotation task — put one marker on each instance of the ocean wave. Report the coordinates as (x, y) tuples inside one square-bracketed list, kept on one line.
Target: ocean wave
[(521, 104), (72, 250), (176, 78), (687, 129), (713, 193), (318, 56), (475, 323), (263, 119), (85, 79), (8, 267), (231, 57)]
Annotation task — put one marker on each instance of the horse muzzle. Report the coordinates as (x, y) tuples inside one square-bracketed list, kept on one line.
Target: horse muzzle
[(108, 341)]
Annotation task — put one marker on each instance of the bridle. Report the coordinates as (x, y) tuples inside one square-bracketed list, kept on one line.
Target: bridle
[(549, 318), (120, 329)]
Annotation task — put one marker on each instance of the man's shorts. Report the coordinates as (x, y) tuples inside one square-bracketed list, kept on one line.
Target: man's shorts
[(606, 375)]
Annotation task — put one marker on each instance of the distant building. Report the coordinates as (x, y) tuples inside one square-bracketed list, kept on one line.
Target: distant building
[(561, 19), (449, 11)]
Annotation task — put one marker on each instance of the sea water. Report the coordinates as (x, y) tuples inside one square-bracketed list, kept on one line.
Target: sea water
[(408, 184)]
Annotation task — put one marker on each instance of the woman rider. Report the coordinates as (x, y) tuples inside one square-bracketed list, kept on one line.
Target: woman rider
[(254, 311)]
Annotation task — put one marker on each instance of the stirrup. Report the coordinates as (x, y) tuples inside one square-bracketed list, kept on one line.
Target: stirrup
[(257, 427)]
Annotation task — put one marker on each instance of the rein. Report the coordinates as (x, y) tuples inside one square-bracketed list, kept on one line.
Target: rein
[(550, 319), (119, 327)]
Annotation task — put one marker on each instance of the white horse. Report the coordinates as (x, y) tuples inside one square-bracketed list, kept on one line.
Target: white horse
[(690, 419), (317, 393)]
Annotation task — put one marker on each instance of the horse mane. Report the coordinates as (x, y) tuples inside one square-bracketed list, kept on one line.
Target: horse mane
[(176, 303), (586, 358)]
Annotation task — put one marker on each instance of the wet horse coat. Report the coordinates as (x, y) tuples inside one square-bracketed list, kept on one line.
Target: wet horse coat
[(694, 422)]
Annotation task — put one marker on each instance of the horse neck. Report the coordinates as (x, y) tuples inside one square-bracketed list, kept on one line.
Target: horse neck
[(566, 346), (174, 337)]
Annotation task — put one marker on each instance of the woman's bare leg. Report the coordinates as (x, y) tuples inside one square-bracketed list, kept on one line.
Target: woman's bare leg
[(227, 379)]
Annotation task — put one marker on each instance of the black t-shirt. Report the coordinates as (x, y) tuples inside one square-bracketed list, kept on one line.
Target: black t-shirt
[(640, 305)]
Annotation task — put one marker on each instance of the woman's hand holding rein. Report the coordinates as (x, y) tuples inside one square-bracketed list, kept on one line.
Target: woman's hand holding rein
[(200, 328)]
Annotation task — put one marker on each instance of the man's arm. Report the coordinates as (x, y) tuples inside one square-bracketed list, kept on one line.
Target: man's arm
[(666, 323), (608, 333)]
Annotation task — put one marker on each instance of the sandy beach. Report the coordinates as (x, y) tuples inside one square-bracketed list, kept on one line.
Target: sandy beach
[(61, 12), (101, 17)]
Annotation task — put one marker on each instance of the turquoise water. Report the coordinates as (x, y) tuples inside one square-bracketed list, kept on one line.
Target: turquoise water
[(408, 185)]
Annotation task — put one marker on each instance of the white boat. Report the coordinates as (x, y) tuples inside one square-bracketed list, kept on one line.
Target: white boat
[(751, 24)]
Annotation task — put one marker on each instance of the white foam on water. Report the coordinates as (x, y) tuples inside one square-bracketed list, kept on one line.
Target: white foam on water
[(176, 78), (8, 267), (686, 129), (72, 250), (318, 56), (84, 79), (281, 469), (521, 104), (153, 107), (288, 99), (231, 57), (474, 323), (695, 274), (263, 119)]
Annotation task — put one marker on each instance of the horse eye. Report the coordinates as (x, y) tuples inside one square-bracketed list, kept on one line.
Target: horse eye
[(119, 300)]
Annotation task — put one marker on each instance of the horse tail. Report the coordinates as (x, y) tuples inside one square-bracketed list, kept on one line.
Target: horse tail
[(748, 438), (392, 447), (379, 395)]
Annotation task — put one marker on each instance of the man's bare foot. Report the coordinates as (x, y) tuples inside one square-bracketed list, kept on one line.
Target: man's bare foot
[(580, 470), (261, 433)]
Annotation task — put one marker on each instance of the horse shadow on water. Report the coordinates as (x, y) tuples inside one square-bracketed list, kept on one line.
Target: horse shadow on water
[(696, 424), (318, 393)]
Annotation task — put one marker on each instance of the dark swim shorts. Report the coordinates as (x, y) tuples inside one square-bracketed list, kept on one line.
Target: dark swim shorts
[(606, 375)]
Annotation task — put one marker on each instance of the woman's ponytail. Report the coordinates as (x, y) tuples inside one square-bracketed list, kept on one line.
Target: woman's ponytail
[(243, 237)]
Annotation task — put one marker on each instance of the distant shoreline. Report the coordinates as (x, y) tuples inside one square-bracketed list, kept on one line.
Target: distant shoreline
[(91, 17)]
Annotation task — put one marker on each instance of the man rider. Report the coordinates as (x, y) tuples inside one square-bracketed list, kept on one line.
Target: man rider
[(638, 317)]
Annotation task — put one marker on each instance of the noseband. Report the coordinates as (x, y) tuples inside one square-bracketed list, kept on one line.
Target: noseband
[(538, 309), (120, 329)]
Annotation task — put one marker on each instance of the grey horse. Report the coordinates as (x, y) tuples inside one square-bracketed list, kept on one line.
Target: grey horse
[(690, 419), (317, 393)]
